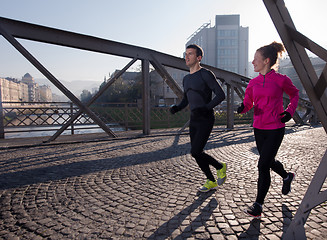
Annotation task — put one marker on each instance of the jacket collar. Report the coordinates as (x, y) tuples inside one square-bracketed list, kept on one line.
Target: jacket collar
[(272, 71)]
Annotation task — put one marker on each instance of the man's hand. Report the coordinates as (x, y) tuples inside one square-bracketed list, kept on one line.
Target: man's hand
[(286, 118), (173, 109)]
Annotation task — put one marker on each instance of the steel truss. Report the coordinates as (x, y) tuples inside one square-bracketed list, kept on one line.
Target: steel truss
[(295, 44), (12, 29)]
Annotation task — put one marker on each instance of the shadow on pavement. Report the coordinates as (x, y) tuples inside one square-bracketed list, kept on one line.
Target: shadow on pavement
[(176, 222), (253, 232), (55, 162), (287, 217), (51, 163)]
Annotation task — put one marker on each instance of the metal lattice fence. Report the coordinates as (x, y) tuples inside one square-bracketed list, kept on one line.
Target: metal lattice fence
[(31, 116)]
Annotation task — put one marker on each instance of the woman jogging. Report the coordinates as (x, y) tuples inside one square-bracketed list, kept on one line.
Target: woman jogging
[(264, 93)]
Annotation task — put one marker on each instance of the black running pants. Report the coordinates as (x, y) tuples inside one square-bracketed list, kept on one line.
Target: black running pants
[(200, 129), (268, 143)]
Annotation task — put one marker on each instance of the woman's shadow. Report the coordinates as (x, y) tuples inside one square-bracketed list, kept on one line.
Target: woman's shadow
[(253, 232)]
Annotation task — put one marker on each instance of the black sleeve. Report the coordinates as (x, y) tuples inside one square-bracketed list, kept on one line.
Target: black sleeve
[(183, 103), (213, 84)]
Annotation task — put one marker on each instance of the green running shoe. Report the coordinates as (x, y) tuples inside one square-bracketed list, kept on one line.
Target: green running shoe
[(221, 174), (208, 186)]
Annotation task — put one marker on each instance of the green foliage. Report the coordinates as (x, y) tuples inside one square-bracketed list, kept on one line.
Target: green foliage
[(85, 96), (121, 91)]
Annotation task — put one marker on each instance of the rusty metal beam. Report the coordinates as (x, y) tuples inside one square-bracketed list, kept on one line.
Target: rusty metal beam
[(230, 106), (93, 99), (54, 36), (306, 42), (295, 44), (57, 83), (311, 199), (23, 30), (167, 78), (146, 96), (2, 129), (301, 62)]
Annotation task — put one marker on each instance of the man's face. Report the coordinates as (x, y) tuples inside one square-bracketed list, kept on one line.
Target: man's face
[(190, 57)]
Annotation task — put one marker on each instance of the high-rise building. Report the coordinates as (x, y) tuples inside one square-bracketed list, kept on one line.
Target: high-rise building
[(225, 45)]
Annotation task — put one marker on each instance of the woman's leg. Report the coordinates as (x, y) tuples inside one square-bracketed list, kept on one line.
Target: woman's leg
[(268, 143), (276, 165)]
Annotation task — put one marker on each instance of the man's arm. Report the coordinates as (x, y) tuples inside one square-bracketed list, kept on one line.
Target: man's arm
[(216, 88), (176, 108)]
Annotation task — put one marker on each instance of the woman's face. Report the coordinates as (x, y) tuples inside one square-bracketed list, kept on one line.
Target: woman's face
[(259, 63)]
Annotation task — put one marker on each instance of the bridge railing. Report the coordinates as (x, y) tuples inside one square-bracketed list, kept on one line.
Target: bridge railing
[(12, 29), (21, 118)]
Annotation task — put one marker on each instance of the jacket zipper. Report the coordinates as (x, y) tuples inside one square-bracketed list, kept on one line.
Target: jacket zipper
[(264, 80)]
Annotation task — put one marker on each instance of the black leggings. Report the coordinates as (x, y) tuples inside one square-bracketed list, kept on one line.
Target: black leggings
[(200, 129), (268, 143)]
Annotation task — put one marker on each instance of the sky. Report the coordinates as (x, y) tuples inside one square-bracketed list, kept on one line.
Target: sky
[(163, 26)]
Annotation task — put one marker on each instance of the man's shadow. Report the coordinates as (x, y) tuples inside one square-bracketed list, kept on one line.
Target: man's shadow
[(166, 229)]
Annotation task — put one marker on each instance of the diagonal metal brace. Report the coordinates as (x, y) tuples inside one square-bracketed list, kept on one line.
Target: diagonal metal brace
[(92, 100), (59, 85)]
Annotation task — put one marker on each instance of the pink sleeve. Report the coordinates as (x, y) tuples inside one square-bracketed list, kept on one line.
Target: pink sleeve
[(293, 93), (248, 98)]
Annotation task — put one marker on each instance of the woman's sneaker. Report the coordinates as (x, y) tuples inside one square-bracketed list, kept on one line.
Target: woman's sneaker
[(287, 183), (208, 186), (254, 211)]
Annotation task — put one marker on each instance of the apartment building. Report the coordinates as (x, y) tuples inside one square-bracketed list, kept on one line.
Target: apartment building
[(225, 45)]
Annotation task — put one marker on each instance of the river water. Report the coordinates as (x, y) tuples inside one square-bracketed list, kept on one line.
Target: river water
[(39, 131)]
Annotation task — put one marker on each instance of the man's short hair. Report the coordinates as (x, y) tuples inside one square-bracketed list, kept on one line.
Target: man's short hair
[(199, 50)]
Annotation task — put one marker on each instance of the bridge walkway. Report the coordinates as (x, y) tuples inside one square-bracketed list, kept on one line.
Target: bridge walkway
[(146, 187)]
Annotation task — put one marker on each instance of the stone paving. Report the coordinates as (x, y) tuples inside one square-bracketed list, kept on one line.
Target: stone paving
[(146, 188)]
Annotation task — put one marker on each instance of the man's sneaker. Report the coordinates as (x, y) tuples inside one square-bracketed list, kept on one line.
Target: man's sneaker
[(254, 211), (221, 174), (208, 186), (287, 183)]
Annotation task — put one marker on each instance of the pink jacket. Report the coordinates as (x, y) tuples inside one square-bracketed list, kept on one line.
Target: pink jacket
[(265, 93)]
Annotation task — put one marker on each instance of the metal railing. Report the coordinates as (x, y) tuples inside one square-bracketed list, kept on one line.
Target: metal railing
[(315, 86), (12, 29), (22, 117), (294, 42)]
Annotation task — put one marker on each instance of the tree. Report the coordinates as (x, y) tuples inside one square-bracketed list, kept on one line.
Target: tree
[(85, 96), (122, 91)]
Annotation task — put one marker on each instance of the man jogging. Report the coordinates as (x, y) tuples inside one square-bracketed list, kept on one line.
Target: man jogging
[(198, 87)]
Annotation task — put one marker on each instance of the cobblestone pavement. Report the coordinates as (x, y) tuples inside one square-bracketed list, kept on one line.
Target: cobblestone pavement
[(146, 188)]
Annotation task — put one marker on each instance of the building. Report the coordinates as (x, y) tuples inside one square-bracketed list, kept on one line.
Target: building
[(161, 93), (225, 45), (32, 86), (13, 90), (45, 93)]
